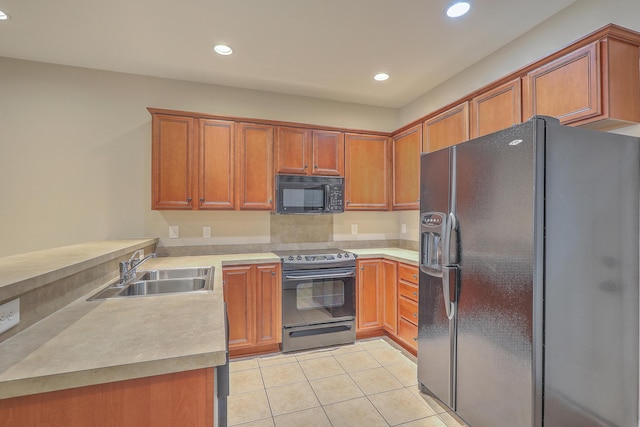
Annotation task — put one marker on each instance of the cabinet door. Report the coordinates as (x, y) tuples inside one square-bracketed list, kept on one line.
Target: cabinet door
[(216, 164), (496, 109), (172, 160), (366, 172), (292, 151), (446, 129), (567, 88), (238, 294), (406, 169), (327, 153), (390, 296), (369, 310), (268, 295), (255, 170)]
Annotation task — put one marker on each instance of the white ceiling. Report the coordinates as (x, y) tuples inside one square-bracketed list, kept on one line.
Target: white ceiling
[(326, 49)]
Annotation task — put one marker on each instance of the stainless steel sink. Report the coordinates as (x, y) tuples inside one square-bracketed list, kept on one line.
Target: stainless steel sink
[(164, 286), (160, 282), (174, 273)]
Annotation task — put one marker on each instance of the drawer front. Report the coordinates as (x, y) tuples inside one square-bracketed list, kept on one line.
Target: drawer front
[(408, 310), (408, 290), (408, 273), (408, 332)]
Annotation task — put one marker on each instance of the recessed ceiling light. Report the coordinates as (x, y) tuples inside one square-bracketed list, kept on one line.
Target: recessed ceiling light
[(223, 49), (458, 9), (381, 77), (3, 16)]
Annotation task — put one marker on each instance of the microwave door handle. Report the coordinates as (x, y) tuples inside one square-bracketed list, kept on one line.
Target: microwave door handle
[(327, 198)]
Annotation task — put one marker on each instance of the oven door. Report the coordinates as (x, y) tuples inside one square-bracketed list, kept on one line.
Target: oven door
[(312, 297)]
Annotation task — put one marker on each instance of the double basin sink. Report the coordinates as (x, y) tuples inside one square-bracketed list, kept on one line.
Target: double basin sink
[(160, 282)]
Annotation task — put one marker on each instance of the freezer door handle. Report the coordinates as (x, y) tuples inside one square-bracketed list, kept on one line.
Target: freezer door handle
[(450, 289)]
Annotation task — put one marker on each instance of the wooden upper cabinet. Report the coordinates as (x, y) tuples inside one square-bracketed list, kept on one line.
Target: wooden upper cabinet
[(255, 170), (216, 164), (405, 150), (327, 153), (567, 88), (309, 152), (496, 109), (597, 84), (366, 172), (448, 128), (172, 162), (292, 151)]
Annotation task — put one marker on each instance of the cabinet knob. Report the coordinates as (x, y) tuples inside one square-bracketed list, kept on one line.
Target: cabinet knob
[(415, 338), (201, 199), (315, 166), (306, 166), (415, 314), (415, 294), (189, 200), (415, 276), (270, 200)]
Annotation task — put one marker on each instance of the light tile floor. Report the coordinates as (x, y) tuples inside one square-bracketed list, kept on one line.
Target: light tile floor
[(370, 383)]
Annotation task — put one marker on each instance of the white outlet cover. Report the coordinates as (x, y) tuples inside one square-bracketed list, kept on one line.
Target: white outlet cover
[(206, 232), (354, 228), (403, 229), (9, 314), (174, 232)]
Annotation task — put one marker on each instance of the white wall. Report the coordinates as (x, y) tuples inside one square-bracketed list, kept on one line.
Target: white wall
[(75, 151), (572, 23), (75, 143)]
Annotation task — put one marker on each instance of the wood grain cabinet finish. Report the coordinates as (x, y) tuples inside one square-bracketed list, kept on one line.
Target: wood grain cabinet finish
[(172, 153), (255, 179), (253, 294), (369, 306), (496, 109), (446, 129), (309, 152), (178, 399), (405, 150), (597, 84), (389, 296), (366, 172), (408, 280), (216, 170)]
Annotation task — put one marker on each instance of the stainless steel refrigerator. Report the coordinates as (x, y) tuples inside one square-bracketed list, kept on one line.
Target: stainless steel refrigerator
[(528, 303)]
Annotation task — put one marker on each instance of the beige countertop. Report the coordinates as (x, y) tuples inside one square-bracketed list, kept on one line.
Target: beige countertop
[(93, 342)]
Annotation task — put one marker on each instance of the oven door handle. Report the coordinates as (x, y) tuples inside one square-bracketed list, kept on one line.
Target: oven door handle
[(320, 275)]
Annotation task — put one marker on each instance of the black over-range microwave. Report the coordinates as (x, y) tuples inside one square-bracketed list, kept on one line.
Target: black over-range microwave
[(309, 194)]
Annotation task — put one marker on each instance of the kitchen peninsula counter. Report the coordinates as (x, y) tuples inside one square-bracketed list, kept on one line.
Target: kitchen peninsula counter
[(100, 341)]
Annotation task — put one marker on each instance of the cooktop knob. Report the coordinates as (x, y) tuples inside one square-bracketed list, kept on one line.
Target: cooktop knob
[(290, 258), (298, 257), (339, 255)]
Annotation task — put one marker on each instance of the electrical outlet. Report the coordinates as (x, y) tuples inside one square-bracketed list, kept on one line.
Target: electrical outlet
[(9, 314), (354, 228), (174, 232), (403, 228), (206, 232)]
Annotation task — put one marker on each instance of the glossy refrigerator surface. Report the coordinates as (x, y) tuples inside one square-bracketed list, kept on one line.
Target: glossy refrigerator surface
[(544, 238)]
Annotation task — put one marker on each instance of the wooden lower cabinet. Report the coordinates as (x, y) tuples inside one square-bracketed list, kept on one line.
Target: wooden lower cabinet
[(408, 280), (253, 294), (178, 399), (387, 301), (369, 305)]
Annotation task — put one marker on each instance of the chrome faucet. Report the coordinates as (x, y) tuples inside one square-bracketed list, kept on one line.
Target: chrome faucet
[(128, 268)]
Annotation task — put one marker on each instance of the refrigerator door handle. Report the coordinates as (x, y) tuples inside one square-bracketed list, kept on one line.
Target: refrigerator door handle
[(450, 289)]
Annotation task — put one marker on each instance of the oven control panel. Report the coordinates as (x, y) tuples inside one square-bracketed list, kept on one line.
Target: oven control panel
[(318, 260)]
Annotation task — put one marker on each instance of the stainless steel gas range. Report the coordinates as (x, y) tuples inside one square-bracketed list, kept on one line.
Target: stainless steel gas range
[(318, 298)]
